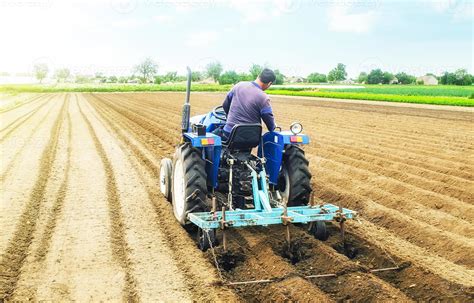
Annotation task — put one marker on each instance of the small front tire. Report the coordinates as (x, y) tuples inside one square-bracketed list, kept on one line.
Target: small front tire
[(165, 178)]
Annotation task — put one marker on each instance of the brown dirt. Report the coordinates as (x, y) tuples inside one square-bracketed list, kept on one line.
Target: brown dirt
[(82, 217)]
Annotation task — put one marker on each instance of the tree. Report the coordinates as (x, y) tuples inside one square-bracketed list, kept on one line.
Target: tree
[(375, 76), (459, 77), (147, 69), (444, 78), (113, 79), (317, 78), (170, 77), (404, 78), (362, 77), (158, 80), (338, 73), (279, 77), (196, 76), (229, 77), (182, 78), (41, 71), (122, 79), (255, 70), (214, 70), (83, 79), (246, 77), (462, 77), (62, 74), (387, 78)]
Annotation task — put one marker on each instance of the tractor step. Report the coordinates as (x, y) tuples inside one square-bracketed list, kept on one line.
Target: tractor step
[(262, 217)]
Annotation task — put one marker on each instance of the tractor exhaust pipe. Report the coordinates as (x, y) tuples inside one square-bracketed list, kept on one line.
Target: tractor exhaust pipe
[(186, 105)]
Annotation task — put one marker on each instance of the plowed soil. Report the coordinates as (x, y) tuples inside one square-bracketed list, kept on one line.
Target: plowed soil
[(82, 218)]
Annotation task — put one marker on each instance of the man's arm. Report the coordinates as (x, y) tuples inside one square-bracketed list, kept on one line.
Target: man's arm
[(267, 116), (228, 101)]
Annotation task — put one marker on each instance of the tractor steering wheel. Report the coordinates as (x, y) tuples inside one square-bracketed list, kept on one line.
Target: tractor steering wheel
[(219, 113)]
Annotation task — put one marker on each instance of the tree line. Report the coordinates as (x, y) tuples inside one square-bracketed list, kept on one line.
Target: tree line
[(378, 76), (147, 72)]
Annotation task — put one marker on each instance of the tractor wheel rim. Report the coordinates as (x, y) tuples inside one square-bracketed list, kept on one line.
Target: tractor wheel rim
[(178, 184), (163, 180)]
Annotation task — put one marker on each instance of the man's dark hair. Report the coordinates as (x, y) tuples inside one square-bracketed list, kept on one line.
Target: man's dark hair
[(267, 75)]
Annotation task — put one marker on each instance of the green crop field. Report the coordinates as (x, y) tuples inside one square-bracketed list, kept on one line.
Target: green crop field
[(414, 90), (438, 100), (441, 95)]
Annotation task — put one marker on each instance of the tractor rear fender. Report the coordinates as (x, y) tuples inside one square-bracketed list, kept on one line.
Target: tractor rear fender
[(211, 147), (272, 147)]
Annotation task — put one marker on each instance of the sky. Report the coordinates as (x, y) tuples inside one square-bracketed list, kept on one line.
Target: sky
[(297, 37)]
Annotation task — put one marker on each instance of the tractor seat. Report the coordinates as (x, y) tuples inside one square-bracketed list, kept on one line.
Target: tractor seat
[(244, 137)]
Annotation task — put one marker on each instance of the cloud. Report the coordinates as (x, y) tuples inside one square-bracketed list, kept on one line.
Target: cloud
[(251, 11), (129, 23), (343, 19), (459, 9), (254, 11), (202, 39), (164, 18)]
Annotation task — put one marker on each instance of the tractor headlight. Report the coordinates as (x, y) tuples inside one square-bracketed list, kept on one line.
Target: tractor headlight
[(296, 128)]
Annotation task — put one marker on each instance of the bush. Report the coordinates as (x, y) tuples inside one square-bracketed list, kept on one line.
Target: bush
[(158, 80), (246, 77), (404, 78), (229, 77), (471, 96), (317, 78), (170, 77), (196, 76)]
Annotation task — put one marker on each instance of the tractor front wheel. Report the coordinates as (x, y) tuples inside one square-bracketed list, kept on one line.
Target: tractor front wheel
[(295, 177), (165, 178), (188, 183)]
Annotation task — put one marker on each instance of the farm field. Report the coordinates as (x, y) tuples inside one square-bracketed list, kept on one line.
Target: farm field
[(82, 218)]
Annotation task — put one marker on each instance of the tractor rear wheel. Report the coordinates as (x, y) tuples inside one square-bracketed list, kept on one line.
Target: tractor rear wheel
[(188, 183), (295, 177)]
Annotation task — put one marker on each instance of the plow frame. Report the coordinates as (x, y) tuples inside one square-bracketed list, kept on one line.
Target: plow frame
[(254, 217)]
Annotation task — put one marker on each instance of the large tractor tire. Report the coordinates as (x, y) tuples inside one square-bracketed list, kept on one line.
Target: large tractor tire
[(189, 188), (295, 177)]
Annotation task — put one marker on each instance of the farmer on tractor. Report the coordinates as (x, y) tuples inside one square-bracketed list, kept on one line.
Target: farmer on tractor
[(247, 103), (219, 185)]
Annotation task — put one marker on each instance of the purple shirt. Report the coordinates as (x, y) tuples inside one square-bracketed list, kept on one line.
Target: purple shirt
[(247, 103)]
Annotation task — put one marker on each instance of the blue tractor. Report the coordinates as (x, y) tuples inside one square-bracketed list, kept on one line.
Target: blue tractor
[(217, 184)]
